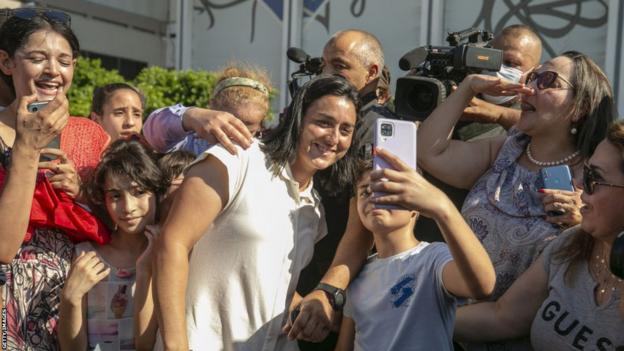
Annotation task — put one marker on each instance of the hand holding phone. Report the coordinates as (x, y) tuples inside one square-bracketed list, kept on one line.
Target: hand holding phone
[(37, 106), (557, 178), (399, 138)]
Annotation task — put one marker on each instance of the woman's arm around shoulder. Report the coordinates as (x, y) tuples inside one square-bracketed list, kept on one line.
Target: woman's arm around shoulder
[(511, 316), (198, 202), (145, 323)]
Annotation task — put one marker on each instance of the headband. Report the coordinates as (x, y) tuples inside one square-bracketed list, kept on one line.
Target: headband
[(240, 82)]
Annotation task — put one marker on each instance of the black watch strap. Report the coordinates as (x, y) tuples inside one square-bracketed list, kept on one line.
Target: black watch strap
[(336, 296)]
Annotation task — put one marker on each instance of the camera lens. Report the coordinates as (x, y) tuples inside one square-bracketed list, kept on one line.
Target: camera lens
[(422, 97), (386, 129)]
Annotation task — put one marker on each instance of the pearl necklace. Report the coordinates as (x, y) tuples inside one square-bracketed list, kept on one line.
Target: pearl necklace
[(550, 163)]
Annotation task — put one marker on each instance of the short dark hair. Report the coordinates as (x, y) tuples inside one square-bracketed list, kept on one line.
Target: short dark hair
[(593, 102), (15, 31), (103, 93), (363, 165), (172, 164), (280, 144), (125, 158)]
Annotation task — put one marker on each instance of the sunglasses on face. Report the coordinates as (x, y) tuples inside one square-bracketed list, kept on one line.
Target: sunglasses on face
[(590, 180), (546, 80), (29, 13)]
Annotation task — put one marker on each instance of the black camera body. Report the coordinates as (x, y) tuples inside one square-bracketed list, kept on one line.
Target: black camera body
[(308, 67), (434, 70)]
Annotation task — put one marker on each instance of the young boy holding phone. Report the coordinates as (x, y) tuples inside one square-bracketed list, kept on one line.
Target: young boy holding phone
[(405, 296)]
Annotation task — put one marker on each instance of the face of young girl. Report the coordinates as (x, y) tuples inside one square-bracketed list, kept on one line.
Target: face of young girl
[(122, 114), (129, 206)]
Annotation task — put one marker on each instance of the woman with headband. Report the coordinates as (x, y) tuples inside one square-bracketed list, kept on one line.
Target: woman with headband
[(241, 97)]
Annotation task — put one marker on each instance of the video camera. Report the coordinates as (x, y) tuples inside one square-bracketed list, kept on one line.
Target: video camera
[(434, 70), (308, 67)]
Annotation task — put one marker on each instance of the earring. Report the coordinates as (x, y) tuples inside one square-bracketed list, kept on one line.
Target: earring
[(573, 131)]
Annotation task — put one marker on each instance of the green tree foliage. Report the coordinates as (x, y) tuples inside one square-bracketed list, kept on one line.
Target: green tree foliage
[(88, 75), (162, 87)]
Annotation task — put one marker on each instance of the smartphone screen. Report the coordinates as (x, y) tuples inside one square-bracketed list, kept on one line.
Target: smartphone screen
[(54, 144)]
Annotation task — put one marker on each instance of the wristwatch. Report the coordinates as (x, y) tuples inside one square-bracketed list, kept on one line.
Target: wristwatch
[(336, 296)]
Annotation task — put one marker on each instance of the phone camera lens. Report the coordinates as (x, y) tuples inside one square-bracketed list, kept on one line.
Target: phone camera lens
[(386, 129)]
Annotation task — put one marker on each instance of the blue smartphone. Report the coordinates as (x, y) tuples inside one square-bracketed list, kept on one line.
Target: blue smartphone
[(399, 138), (558, 178)]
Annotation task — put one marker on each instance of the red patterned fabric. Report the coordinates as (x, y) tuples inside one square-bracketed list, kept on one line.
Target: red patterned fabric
[(84, 141)]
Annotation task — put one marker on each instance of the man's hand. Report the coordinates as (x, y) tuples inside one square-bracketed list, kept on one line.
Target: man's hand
[(217, 127), (481, 111), (314, 320), (484, 112)]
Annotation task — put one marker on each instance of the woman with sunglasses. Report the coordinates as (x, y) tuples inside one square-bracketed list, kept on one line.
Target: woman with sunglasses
[(39, 219), (566, 107), (568, 298)]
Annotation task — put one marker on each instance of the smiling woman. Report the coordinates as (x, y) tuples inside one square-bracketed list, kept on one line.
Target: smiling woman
[(568, 298), (37, 55), (251, 221), (567, 106)]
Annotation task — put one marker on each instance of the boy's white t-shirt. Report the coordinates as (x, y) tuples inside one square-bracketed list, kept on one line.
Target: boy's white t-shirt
[(400, 303), (244, 270)]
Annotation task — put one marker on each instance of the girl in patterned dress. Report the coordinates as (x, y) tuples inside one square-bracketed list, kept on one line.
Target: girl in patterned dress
[(107, 302)]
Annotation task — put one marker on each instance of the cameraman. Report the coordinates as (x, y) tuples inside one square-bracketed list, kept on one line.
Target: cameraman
[(522, 50)]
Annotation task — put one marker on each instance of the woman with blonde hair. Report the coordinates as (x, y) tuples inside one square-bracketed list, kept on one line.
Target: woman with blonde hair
[(239, 103)]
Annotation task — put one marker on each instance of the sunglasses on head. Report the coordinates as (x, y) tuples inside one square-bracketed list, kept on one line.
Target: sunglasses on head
[(546, 79), (29, 13), (590, 180)]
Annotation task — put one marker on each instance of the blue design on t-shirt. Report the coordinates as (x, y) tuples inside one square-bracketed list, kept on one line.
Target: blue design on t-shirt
[(403, 290)]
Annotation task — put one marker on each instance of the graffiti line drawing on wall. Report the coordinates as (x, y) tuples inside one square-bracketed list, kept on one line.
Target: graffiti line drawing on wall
[(528, 11), (317, 9)]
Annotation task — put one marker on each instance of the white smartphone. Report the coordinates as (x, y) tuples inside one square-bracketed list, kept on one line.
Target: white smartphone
[(397, 137), (37, 106)]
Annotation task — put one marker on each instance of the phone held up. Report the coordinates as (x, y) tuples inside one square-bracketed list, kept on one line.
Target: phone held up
[(37, 106), (616, 261), (56, 142), (399, 138), (558, 178)]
